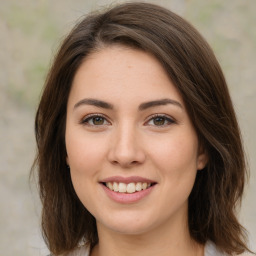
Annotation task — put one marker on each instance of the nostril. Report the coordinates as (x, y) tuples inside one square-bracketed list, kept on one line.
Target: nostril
[(115, 162), (125, 163), (125, 153)]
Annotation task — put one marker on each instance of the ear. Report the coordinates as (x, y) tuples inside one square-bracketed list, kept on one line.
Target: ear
[(67, 160), (202, 158)]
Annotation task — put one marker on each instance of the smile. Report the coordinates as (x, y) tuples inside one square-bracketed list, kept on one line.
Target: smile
[(127, 188)]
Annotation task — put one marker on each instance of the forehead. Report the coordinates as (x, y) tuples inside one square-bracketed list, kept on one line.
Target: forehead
[(116, 72)]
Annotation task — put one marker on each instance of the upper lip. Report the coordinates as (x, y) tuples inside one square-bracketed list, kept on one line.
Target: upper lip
[(127, 180)]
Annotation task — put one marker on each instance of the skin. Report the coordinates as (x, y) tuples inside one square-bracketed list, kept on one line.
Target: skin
[(129, 141)]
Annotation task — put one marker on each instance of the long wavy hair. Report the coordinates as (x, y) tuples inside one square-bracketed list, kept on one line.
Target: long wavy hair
[(194, 70)]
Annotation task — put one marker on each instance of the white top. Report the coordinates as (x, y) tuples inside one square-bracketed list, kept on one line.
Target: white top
[(210, 250)]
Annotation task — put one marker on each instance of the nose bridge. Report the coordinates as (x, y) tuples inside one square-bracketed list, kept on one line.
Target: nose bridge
[(126, 149)]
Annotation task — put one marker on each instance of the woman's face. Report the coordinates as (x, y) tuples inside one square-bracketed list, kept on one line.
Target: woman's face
[(132, 150)]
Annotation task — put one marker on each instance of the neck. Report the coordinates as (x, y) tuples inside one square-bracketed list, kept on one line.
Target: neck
[(164, 241)]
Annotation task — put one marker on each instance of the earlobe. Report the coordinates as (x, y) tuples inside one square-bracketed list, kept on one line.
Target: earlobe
[(67, 160), (202, 160)]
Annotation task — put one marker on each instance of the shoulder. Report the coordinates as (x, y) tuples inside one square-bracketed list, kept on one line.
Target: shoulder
[(212, 250), (80, 251)]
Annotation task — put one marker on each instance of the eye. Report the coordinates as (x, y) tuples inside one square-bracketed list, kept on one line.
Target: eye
[(160, 120), (95, 120)]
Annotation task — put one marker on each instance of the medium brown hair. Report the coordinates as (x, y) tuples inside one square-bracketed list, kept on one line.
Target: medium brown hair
[(194, 70)]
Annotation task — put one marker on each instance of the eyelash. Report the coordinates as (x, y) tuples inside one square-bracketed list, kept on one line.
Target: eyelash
[(88, 118), (169, 120), (166, 118)]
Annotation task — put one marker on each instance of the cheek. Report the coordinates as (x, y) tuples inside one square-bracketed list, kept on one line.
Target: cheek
[(86, 157), (176, 158), (84, 160), (177, 153), (84, 152)]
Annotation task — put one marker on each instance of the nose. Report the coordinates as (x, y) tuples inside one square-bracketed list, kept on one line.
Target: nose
[(126, 149)]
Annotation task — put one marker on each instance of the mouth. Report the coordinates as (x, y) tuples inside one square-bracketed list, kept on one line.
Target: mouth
[(129, 188)]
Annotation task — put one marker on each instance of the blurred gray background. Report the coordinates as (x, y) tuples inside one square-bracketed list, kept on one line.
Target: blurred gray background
[(30, 32)]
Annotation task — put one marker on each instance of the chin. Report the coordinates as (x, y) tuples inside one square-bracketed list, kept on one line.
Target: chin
[(127, 224), (129, 229)]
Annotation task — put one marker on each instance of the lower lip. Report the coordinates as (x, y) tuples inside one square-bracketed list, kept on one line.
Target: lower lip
[(126, 198)]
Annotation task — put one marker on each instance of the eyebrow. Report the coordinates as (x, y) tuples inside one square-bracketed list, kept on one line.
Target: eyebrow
[(94, 102), (142, 106), (160, 102)]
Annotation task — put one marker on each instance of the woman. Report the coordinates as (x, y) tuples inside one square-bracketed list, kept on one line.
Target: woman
[(139, 150)]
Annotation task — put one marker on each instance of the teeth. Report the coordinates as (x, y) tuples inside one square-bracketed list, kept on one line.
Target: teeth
[(127, 188), (130, 188), (115, 187), (109, 185), (138, 186), (144, 185), (122, 188)]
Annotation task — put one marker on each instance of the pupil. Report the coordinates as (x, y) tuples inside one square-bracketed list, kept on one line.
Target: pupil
[(159, 121), (98, 120)]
